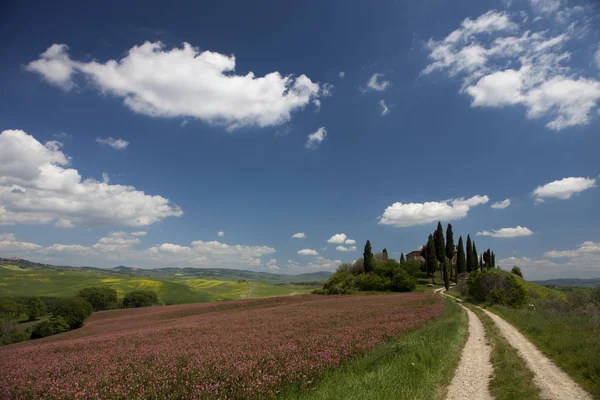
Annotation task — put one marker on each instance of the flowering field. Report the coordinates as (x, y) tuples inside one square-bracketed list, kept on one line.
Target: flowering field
[(236, 349)]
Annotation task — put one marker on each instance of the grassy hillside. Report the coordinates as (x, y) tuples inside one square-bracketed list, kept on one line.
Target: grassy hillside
[(17, 281)]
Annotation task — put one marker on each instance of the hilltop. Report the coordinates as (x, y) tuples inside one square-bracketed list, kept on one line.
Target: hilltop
[(570, 282)]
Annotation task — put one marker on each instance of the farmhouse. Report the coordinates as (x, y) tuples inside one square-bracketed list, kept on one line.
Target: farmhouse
[(415, 255)]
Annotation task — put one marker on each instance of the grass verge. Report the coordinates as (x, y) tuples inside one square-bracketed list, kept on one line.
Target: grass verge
[(417, 365), (573, 342), (512, 379)]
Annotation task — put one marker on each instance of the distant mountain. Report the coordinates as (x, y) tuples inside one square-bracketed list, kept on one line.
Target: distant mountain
[(570, 282), (174, 272)]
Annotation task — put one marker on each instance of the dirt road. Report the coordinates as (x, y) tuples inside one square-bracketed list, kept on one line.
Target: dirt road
[(472, 377), (554, 383)]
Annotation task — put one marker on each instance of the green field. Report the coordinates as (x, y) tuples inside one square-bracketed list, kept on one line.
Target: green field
[(17, 281)]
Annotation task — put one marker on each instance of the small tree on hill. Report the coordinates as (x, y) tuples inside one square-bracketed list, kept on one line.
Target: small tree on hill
[(450, 246), (35, 308), (384, 255), (470, 261), (517, 271), (368, 258)]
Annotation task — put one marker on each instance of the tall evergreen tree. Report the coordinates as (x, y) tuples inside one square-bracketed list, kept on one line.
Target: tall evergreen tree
[(368, 258), (481, 263), (493, 260), (402, 259), (438, 239), (450, 247), (487, 258), (446, 273), (384, 255), (475, 257), (431, 258), (470, 262), (461, 262)]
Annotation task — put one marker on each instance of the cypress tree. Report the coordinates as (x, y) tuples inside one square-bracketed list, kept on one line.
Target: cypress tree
[(431, 258), (475, 257), (446, 274), (402, 260), (450, 246), (470, 263), (440, 247), (368, 258), (461, 263), (481, 263), (493, 260), (384, 255)]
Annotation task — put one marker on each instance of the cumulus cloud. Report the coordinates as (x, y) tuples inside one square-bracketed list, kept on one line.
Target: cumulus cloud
[(118, 144), (384, 108), (221, 234), (299, 235), (507, 232), (184, 82), (338, 238), (350, 241), (308, 252), (272, 265), (316, 138), (563, 189), (341, 74), (499, 205), (346, 248), (378, 83), (503, 63), (584, 249), (125, 247), (410, 214), (38, 187)]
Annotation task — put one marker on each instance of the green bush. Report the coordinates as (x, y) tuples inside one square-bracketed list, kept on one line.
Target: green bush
[(74, 311), (10, 309), (140, 298), (495, 288), (53, 326), (373, 282), (403, 282), (35, 308), (101, 298), (517, 271)]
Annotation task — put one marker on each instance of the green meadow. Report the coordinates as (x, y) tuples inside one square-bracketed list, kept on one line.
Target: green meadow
[(18, 281)]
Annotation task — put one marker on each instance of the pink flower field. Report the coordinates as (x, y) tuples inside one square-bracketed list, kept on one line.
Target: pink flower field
[(231, 350)]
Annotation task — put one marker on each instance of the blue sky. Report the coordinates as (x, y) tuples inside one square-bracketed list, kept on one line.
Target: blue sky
[(135, 137)]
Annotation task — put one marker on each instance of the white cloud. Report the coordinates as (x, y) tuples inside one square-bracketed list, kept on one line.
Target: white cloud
[(346, 248), (184, 82), (341, 74), (378, 83), (315, 138), (299, 235), (308, 252), (272, 265), (37, 187), (504, 64), (545, 6), (118, 144), (338, 238), (597, 58), (221, 234), (384, 108), (563, 189), (499, 205), (350, 241), (139, 234), (125, 247), (404, 215), (507, 232)]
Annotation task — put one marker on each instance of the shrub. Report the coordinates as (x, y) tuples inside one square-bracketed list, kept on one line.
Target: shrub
[(517, 271), (53, 326), (403, 282), (74, 311), (372, 282), (19, 336), (9, 309), (101, 298), (140, 298), (35, 308), (496, 288)]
